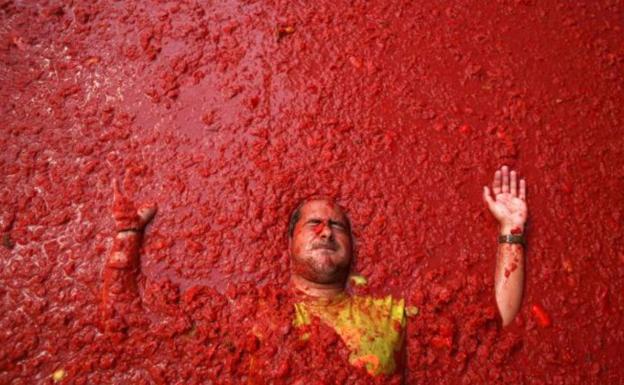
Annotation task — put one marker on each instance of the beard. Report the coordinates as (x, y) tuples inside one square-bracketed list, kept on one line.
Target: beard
[(321, 265)]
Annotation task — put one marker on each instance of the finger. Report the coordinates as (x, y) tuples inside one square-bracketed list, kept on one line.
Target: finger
[(505, 179), (512, 184), (496, 185), (487, 197), (522, 189), (146, 213), (116, 192)]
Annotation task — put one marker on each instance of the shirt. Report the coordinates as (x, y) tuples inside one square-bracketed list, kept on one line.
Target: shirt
[(372, 328)]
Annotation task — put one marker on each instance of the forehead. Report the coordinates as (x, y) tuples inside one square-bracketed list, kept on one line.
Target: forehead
[(322, 209)]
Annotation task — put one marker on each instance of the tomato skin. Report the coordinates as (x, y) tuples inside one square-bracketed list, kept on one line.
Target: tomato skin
[(542, 318)]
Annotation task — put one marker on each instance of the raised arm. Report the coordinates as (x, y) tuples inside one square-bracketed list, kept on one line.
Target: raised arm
[(119, 288), (510, 209)]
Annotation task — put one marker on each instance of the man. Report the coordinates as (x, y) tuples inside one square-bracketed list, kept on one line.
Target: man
[(321, 249), (320, 244)]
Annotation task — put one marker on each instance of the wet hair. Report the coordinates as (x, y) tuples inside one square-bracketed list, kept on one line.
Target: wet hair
[(294, 218), (296, 215)]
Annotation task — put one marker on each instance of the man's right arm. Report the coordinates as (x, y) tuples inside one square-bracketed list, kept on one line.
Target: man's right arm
[(119, 288), (119, 296)]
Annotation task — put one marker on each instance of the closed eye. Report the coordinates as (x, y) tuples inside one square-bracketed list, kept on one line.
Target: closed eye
[(338, 225)]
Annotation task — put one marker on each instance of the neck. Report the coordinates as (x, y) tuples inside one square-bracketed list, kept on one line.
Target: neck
[(317, 290)]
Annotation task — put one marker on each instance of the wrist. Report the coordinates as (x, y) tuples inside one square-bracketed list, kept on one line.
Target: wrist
[(508, 229), (129, 231), (125, 250), (118, 260), (133, 235)]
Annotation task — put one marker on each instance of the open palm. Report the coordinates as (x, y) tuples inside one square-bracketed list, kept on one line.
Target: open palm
[(509, 202)]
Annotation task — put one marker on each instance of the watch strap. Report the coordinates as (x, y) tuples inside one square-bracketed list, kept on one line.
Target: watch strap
[(511, 238)]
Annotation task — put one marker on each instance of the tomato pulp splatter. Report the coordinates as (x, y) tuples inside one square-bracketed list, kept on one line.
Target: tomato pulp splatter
[(227, 114)]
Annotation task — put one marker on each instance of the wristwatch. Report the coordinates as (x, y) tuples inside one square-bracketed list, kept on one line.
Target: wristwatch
[(129, 229), (511, 238)]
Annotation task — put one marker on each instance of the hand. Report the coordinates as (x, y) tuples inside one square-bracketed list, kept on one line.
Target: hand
[(509, 205), (126, 216)]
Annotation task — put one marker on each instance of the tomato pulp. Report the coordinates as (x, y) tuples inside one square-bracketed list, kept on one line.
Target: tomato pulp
[(228, 114)]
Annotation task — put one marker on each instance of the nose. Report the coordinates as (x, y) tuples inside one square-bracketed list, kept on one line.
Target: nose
[(324, 231)]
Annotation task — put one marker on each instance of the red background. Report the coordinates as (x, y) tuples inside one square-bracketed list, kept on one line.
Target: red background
[(228, 114)]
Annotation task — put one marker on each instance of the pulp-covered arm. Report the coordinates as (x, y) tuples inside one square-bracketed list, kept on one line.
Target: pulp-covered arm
[(510, 209), (119, 287)]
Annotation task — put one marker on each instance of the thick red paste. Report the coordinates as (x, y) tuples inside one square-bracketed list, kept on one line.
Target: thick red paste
[(228, 113)]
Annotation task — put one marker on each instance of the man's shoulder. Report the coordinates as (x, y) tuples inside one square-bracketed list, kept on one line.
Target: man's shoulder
[(389, 303), (393, 306)]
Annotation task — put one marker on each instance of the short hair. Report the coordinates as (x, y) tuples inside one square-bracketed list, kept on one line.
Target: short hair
[(296, 215), (294, 218)]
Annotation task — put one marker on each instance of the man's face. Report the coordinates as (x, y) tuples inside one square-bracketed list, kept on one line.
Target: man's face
[(321, 243)]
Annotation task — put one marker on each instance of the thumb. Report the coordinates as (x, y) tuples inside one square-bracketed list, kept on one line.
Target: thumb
[(146, 213), (487, 197)]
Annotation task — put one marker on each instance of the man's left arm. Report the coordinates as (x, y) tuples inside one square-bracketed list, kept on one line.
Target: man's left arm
[(509, 207)]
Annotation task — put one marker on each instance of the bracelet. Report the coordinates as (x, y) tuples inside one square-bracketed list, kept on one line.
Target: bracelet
[(511, 238), (133, 229)]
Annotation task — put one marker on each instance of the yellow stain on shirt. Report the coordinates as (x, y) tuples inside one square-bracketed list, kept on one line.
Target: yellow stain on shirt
[(372, 328)]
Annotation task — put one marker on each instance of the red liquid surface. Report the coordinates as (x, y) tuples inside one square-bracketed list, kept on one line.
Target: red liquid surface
[(228, 115)]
